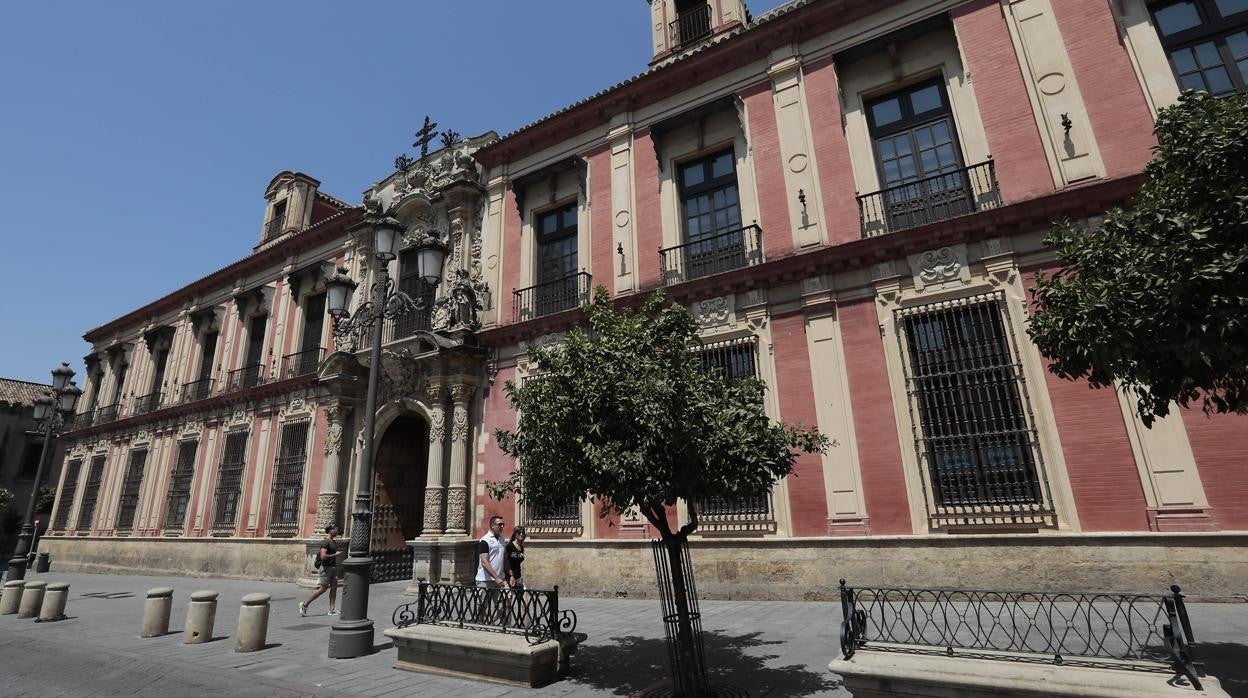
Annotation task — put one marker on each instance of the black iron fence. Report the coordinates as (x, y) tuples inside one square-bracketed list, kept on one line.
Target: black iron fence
[(148, 403), (302, 362), (197, 390), (551, 297), (245, 377), (533, 613), (740, 514), (691, 25), (82, 420), (107, 413), (1137, 631), (733, 249), (928, 200), (401, 326)]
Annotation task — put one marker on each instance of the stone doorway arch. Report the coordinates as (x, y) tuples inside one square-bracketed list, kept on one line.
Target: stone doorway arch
[(399, 475)]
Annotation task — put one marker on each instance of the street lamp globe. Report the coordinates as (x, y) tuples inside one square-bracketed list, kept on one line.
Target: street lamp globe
[(430, 254), (69, 398), (387, 232), (61, 375), (339, 288), (43, 407)]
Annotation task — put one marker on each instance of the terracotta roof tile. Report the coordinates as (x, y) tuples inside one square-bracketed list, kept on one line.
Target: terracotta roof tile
[(23, 393)]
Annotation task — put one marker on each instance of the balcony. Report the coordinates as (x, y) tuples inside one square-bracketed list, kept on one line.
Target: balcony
[(551, 297), (302, 363), (148, 403), (691, 26), (245, 377), (274, 227), (403, 325), (938, 198), (107, 413), (197, 390), (734, 249), (82, 420)]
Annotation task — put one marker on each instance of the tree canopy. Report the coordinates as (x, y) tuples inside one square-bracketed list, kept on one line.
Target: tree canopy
[(625, 413), (1156, 297)]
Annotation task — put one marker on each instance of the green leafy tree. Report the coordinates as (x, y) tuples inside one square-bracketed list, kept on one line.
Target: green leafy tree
[(625, 414), (46, 500), (1156, 297)]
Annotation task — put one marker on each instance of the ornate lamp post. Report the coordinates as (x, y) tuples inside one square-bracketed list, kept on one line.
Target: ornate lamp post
[(352, 635), (52, 412)]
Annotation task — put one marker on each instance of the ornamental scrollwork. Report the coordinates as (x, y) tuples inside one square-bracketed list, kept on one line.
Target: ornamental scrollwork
[(459, 424)]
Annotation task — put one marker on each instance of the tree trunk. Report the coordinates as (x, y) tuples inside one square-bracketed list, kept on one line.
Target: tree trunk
[(681, 618)]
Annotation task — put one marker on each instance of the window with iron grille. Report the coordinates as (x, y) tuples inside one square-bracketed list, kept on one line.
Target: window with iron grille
[(90, 494), (180, 486), (128, 504), (66, 499), (736, 359), (292, 456), (1206, 42), (974, 437), (559, 519), (229, 483)]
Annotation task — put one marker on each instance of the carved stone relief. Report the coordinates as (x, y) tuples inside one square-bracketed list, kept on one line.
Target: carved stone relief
[(715, 312), (326, 510), (939, 267), (433, 510), (456, 509)]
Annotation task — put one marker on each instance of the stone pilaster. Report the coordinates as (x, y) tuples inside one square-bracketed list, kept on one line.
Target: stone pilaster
[(457, 489), (435, 486)]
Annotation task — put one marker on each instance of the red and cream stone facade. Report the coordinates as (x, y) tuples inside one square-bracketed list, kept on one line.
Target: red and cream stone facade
[(849, 195)]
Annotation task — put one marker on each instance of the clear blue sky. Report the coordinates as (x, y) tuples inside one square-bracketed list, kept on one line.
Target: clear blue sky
[(136, 138)]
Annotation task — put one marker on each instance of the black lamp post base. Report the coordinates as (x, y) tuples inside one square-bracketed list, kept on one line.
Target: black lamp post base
[(349, 639), (17, 564)]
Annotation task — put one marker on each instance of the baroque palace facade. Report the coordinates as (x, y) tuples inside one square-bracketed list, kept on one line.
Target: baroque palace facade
[(850, 196)]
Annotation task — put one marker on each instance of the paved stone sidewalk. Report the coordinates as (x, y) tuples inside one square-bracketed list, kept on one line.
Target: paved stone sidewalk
[(770, 648)]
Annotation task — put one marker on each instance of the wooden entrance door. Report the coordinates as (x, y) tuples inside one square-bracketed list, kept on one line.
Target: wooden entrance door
[(398, 497)]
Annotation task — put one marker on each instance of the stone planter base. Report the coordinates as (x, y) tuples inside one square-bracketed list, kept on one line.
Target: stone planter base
[(480, 654), (895, 674)]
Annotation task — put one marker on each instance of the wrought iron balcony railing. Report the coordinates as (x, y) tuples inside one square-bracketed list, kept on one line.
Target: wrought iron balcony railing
[(929, 200), (551, 297), (82, 420), (691, 25), (197, 390), (274, 227), (732, 249), (245, 377), (398, 327), (302, 362), (148, 403), (107, 413)]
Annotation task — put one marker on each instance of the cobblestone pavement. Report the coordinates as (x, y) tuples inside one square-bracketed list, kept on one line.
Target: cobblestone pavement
[(769, 648)]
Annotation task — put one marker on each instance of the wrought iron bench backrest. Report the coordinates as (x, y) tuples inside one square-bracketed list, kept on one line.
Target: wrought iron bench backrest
[(1140, 631), (533, 613)]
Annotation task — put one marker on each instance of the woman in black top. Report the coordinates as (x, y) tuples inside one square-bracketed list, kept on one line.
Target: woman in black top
[(513, 558)]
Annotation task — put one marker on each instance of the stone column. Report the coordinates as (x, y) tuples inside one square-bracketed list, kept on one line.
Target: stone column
[(461, 456), (435, 486), (327, 498)]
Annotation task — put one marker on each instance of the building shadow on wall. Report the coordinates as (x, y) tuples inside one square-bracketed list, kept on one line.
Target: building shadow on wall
[(632, 664), (1228, 661)]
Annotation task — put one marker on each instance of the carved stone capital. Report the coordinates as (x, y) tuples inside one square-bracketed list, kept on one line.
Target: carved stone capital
[(435, 393), (462, 393)]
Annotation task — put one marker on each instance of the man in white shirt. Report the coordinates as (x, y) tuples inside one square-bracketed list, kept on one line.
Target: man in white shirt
[(490, 556)]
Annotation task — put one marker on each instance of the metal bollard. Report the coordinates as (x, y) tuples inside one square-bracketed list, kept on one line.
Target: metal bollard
[(12, 597), (156, 612), (200, 617), (44, 563), (253, 623), (53, 608), (32, 599)]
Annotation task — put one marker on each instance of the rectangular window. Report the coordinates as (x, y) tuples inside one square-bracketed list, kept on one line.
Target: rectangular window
[(66, 500), (31, 453), (253, 369), (152, 400), (973, 437), (180, 487), (410, 283), (292, 456), (736, 359), (710, 208), (90, 495), (201, 387), (1207, 43), (557, 286), (128, 504), (278, 221), (229, 484)]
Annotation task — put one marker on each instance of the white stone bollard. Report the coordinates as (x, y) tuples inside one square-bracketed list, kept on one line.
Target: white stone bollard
[(54, 598), (12, 596), (156, 612), (200, 617), (253, 623), (32, 599)]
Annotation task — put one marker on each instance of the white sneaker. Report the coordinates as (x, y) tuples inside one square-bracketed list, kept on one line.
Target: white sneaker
[(303, 609), (332, 612)]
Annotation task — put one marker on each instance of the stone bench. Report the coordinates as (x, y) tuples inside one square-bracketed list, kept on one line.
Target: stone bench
[(946, 642), (517, 638)]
